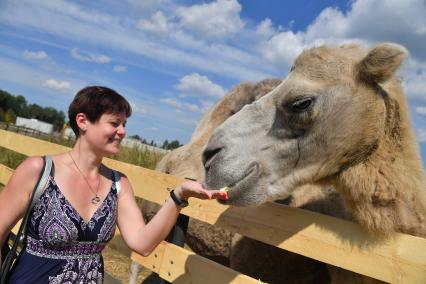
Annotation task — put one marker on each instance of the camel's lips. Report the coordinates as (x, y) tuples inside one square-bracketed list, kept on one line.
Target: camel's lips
[(232, 189)]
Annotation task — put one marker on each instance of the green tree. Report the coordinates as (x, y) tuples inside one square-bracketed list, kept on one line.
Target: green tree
[(173, 145), (165, 144), (135, 136), (20, 106), (12, 106), (10, 116)]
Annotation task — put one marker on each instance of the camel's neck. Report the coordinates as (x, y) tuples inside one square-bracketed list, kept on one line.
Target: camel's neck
[(384, 198), (387, 191)]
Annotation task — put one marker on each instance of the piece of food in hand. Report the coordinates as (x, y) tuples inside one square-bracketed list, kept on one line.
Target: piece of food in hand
[(224, 192), (225, 189)]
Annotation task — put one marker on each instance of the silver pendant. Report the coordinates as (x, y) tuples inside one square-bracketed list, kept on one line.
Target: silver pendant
[(95, 200)]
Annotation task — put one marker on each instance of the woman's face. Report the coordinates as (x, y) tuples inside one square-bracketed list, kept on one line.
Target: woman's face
[(107, 133)]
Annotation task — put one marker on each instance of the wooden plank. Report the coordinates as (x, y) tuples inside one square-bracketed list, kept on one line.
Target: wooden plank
[(400, 259), (154, 260), (178, 265), (16, 228), (27, 145)]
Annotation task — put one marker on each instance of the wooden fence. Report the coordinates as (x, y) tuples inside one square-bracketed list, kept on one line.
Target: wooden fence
[(399, 259)]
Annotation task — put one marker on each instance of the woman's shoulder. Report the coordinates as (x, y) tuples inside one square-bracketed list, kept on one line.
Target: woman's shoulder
[(27, 173), (33, 164), (119, 177), (115, 175)]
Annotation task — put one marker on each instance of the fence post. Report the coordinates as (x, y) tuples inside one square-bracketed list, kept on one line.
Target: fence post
[(177, 235)]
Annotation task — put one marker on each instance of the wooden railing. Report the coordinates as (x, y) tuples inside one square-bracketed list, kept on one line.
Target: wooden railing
[(398, 259)]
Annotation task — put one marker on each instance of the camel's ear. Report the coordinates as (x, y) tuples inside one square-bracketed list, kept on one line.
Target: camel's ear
[(381, 63)]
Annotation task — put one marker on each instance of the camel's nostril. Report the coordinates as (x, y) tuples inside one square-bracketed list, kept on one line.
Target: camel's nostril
[(208, 155)]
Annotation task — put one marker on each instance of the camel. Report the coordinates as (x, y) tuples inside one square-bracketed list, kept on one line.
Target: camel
[(340, 118), (266, 262), (255, 258)]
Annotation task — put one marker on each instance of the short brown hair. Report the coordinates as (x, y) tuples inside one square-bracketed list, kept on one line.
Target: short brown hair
[(94, 101)]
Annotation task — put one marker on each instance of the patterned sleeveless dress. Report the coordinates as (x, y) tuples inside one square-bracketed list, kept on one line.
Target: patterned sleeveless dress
[(61, 247)]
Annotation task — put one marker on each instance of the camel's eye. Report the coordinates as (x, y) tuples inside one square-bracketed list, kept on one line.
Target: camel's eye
[(301, 104)]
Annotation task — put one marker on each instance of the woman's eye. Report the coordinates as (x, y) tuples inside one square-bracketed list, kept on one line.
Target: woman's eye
[(115, 124), (302, 104)]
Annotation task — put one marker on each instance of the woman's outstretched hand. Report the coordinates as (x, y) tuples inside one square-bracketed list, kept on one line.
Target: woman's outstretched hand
[(194, 189)]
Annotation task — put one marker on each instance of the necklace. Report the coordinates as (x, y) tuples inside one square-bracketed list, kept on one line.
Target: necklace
[(95, 200)]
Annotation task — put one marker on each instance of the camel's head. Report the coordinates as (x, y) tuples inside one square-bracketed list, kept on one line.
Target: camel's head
[(186, 160), (327, 115)]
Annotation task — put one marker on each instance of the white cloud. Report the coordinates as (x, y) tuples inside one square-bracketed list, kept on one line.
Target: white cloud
[(421, 110), (96, 58), (138, 108), (182, 105), (282, 48), (196, 85), (146, 7), (34, 78), (400, 21), (421, 135), (414, 79), (192, 107), (265, 28), (157, 24), (216, 20), (35, 55), (119, 69), (57, 85), (205, 105), (77, 23), (172, 102)]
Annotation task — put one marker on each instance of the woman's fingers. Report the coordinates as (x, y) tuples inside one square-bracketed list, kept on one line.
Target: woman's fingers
[(195, 189), (218, 194)]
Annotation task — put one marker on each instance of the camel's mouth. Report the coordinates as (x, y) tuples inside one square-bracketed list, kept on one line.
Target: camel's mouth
[(236, 190)]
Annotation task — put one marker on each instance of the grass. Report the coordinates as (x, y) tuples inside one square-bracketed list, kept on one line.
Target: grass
[(140, 157), (10, 158)]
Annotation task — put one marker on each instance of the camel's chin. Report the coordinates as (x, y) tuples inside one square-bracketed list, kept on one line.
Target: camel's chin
[(245, 191), (240, 202)]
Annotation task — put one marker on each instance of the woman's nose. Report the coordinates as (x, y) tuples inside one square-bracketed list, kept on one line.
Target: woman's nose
[(121, 130)]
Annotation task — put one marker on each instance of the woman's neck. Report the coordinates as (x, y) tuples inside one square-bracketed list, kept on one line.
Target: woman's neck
[(87, 159)]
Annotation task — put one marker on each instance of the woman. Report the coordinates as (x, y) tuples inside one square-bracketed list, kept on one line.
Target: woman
[(83, 201)]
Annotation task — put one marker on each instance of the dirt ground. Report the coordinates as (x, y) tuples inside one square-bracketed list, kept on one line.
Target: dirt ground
[(118, 266)]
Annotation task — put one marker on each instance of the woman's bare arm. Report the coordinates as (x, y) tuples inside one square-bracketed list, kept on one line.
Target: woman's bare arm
[(15, 196), (143, 238)]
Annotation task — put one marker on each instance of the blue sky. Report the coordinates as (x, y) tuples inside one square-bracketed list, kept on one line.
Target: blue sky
[(173, 59)]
